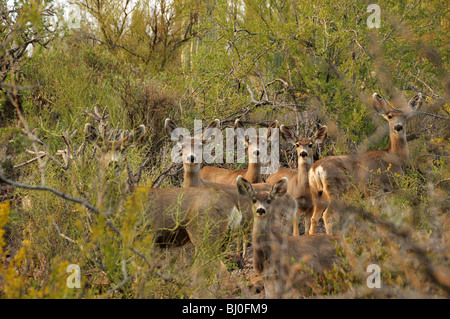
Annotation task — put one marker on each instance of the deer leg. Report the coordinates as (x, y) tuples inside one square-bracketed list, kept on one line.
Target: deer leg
[(328, 221), (319, 206), (308, 216), (295, 223), (317, 214), (244, 245), (329, 214)]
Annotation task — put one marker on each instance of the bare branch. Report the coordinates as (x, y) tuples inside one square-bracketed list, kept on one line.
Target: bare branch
[(125, 279), (29, 161), (61, 234)]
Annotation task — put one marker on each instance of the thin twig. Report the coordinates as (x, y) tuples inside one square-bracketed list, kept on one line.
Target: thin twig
[(28, 162), (93, 210), (51, 190), (125, 279), (61, 234), (401, 20), (163, 176), (434, 115)]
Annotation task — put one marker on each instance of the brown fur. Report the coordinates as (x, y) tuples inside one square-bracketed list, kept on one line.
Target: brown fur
[(298, 184), (252, 173), (179, 215), (274, 249), (192, 177), (331, 176), (188, 153)]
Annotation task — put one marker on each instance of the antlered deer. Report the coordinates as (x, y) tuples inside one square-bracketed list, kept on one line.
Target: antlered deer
[(298, 185), (273, 248), (253, 172), (331, 176), (111, 148)]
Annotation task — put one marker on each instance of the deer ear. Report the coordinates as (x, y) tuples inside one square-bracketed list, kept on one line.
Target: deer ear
[(169, 127), (415, 103), (134, 137), (273, 125), (214, 124), (288, 135), (91, 134), (138, 132), (244, 187), (211, 129), (379, 104), (239, 129), (238, 124), (279, 189), (320, 136)]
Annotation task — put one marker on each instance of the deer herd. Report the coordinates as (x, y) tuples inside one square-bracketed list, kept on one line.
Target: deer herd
[(215, 202)]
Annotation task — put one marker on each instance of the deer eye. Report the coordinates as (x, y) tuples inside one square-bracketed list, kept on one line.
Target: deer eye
[(310, 145), (269, 201), (389, 116), (254, 200)]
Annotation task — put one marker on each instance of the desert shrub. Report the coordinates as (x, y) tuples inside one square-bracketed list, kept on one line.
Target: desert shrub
[(305, 64)]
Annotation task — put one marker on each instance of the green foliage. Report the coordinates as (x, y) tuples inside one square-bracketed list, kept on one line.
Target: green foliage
[(302, 63)]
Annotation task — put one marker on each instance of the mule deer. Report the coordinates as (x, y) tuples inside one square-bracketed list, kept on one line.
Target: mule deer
[(273, 248), (192, 177), (178, 216), (330, 176), (110, 142), (191, 149), (253, 172), (110, 150), (191, 165), (298, 185)]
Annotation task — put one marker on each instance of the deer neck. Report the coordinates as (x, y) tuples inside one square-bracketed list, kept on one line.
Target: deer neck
[(398, 146), (302, 173), (192, 176), (261, 244), (253, 172)]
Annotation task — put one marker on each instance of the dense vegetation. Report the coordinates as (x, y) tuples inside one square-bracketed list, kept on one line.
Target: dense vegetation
[(139, 62)]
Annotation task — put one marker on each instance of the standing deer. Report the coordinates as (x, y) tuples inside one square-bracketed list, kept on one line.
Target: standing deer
[(192, 176), (253, 172), (298, 185), (331, 176), (110, 146), (191, 148), (273, 248), (178, 216)]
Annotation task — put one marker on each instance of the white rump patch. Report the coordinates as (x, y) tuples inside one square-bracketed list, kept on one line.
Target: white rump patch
[(235, 218), (321, 173)]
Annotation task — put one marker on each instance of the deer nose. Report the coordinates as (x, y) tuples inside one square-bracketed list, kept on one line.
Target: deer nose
[(398, 127), (191, 158), (303, 154), (256, 152), (260, 211)]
